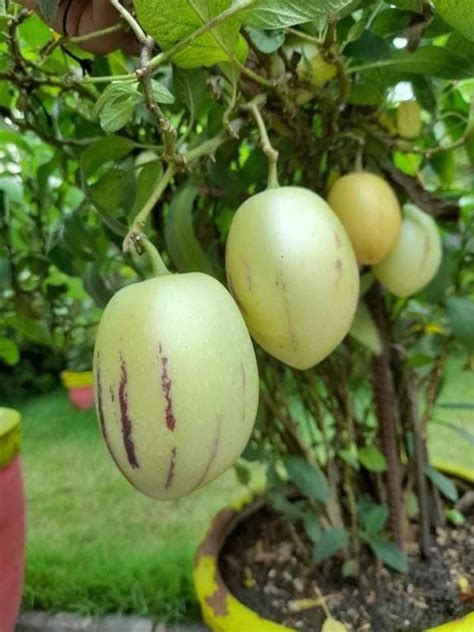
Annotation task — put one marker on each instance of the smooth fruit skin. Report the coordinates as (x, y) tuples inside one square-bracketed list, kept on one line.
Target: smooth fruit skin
[(176, 383), (293, 272), (416, 257), (369, 211), (409, 123)]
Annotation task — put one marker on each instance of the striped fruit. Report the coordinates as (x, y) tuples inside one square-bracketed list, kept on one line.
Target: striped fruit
[(176, 383), (292, 270), (416, 257)]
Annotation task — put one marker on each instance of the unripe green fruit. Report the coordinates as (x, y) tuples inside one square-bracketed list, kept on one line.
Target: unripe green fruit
[(409, 121), (369, 211), (312, 66), (293, 272), (176, 383), (415, 258)]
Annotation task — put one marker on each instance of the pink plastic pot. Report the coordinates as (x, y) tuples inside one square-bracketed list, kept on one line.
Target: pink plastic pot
[(82, 398), (12, 520)]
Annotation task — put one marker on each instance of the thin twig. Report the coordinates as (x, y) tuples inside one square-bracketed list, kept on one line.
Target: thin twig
[(128, 17), (270, 152)]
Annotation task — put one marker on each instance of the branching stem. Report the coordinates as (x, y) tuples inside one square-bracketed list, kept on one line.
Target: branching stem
[(270, 152)]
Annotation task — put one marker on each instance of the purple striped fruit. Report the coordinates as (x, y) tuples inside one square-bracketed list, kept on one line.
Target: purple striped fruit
[(176, 383), (293, 272)]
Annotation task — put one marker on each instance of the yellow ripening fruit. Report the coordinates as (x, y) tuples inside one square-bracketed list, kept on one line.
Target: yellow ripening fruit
[(369, 210), (292, 270), (415, 258), (176, 383), (312, 66), (409, 121)]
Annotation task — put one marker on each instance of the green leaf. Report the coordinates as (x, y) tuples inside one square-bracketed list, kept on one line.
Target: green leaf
[(170, 22), (459, 14), (372, 459), (364, 330), (369, 46), (114, 191), (190, 88), (95, 286), (5, 274), (33, 330), (433, 61), (389, 554), (116, 105), (161, 93), (106, 150), (391, 22), (328, 543), (274, 14), (280, 503), (461, 320), (183, 248), (9, 351), (266, 41), (374, 519), (410, 5), (147, 180), (308, 478), (444, 484), (455, 517), (48, 8)]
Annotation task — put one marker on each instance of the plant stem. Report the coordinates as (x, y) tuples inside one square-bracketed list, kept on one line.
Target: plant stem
[(270, 152), (141, 219), (128, 17), (80, 39), (385, 407)]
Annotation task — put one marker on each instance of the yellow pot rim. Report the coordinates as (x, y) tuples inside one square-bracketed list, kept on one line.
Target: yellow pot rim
[(10, 435), (77, 379), (221, 611)]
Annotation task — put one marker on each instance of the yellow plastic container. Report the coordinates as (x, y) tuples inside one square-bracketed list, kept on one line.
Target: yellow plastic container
[(221, 611), (10, 435), (76, 379)]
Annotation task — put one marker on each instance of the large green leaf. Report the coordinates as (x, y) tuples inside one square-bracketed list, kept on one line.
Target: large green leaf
[(434, 61), (461, 319), (308, 478), (182, 245), (105, 150), (170, 22), (273, 14), (33, 330), (459, 14)]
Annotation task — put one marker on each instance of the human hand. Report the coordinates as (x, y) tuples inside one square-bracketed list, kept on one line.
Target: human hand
[(82, 17)]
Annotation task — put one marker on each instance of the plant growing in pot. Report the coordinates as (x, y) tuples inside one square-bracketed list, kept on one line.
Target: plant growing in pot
[(347, 260)]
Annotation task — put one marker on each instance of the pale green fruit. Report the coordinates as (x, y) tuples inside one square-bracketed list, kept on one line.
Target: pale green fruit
[(365, 331), (293, 272), (369, 211), (415, 258), (409, 123), (176, 383)]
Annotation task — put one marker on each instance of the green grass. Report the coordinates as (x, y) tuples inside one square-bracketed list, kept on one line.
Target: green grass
[(95, 545)]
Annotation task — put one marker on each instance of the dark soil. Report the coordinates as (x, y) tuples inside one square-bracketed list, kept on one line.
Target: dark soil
[(263, 565)]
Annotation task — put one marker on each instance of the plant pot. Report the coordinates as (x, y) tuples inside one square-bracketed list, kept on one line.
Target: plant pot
[(221, 611), (79, 385), (12, 520)]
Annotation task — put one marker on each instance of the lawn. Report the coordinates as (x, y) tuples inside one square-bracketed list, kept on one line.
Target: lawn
[(96, 546)]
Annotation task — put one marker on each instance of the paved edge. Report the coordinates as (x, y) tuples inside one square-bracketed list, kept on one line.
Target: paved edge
[(63, 622)]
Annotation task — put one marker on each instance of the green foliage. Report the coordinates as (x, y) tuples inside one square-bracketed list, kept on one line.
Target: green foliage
[(308, 478)]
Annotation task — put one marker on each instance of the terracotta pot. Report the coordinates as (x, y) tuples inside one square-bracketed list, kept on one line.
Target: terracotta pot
[(79, 385), (12, 520), (222, 612)]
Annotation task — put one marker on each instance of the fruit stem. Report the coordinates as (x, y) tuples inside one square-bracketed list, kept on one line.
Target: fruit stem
[(270, 152), (157, 263)]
